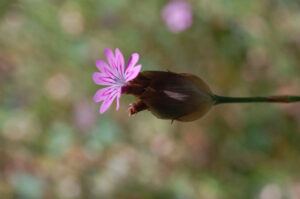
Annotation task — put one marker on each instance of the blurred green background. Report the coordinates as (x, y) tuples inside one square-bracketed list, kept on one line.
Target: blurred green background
[(54, 144)]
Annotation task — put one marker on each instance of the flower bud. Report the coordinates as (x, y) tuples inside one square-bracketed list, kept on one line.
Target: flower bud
[(168, 95)]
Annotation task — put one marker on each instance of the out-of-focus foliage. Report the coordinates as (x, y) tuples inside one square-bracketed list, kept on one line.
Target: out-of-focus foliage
[(54, 144)]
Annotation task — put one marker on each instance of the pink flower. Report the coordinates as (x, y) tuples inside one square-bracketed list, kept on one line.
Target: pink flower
[(115, 76), (177, 15)]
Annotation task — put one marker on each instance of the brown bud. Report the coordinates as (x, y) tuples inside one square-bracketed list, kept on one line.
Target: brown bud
[(182, 97)]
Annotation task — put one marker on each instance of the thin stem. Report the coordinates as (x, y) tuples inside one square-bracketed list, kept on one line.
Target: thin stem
[(270, 99)]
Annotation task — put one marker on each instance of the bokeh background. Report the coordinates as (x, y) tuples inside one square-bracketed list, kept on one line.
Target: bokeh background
[(55, 144)]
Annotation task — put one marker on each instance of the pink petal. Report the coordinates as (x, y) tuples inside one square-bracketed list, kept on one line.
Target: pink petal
[(103, 93), (118, 98), (120, 61), (102, 79), (133, 73), (110, 58), (108, 101), (134, 58), (102, 66)]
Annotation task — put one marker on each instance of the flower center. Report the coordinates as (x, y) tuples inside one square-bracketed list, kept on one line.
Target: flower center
[(120, 81)]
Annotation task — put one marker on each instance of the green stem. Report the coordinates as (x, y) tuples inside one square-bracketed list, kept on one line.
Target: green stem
[(270, 99)]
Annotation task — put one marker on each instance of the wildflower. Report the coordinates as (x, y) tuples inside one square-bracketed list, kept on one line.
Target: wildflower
[(168, 95), (177, 15), (115, 76)]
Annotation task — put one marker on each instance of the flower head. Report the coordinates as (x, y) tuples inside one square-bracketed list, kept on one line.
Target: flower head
[(114, 75), (177, 15)]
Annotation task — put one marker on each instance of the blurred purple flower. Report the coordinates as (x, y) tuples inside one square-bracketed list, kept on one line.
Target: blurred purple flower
[(177, 15), (114, 76)]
